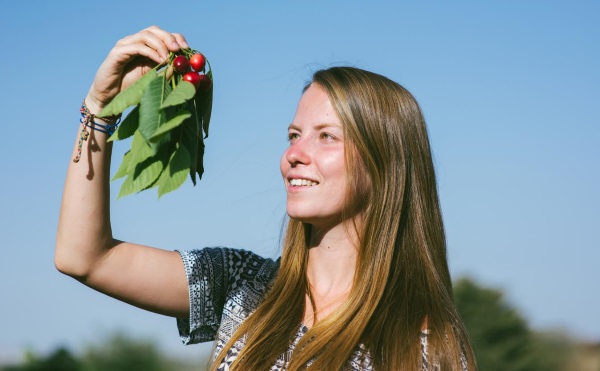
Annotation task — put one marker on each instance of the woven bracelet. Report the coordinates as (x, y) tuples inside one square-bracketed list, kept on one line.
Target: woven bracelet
[(87, 121), (107, 129)]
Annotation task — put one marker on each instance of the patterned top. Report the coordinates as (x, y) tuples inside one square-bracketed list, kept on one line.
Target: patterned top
[(225, 286)]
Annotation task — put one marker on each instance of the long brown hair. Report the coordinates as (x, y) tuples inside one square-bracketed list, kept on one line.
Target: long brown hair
[(401, 281)]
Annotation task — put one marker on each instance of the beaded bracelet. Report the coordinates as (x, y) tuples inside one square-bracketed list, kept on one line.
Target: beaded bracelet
[(87, 121)]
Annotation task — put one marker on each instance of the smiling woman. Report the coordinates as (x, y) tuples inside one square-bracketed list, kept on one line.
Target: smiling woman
[(363, 281)]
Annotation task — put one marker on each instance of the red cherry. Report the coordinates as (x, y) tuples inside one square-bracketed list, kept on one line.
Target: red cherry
[(181, 64), (204, 82), (192, 77), (198, 62)]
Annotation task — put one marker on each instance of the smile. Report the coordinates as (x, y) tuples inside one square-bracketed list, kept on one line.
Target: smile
[(302, 183)]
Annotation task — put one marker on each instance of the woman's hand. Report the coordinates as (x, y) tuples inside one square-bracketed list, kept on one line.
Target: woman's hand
[(130, 59)]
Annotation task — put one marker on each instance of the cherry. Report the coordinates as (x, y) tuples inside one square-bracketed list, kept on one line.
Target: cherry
[(181, 64), (204, 82), (198, 62), (192, 77)]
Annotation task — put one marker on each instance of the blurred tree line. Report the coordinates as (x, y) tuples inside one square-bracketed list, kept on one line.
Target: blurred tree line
[(500, 335), (117, 353), (503, 340)]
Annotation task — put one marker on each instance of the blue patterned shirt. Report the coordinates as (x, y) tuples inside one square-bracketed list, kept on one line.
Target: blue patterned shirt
[(225, 287)]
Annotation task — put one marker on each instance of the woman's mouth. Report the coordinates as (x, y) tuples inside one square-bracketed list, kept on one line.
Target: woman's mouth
[(302, 183)]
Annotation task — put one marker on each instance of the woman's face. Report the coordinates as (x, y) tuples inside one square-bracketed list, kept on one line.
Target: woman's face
[(313, 166)]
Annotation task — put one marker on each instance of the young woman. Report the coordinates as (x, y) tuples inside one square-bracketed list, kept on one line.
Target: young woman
[(363, 281)]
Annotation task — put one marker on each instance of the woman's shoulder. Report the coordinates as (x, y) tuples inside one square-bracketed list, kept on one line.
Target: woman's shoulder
[(234, 262)]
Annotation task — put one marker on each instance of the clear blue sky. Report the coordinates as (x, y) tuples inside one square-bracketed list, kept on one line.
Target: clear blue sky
[(510, 92)]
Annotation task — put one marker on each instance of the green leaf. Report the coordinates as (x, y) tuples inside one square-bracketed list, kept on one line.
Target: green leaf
[(150, 114), (128, 126), (176, 172), (140, 150), (128, 97), (203, 101), (182, 93), (200, 159), (167, 114), (174, 122), (124, 167), (147, 172), (126, 188), (189, 138), (155, 183)]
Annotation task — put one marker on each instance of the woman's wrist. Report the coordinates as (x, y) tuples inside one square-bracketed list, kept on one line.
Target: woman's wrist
[(89, 121), (106, 124), (93, 105)]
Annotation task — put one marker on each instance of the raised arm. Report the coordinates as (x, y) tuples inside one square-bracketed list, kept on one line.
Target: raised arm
[(146, 277)]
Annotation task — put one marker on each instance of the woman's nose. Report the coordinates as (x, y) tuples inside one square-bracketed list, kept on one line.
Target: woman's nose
[(298, 153)]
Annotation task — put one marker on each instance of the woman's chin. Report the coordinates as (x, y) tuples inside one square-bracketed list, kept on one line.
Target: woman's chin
[(298, 217), (303, 217)]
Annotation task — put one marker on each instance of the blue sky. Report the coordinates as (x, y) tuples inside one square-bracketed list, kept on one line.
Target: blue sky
[(509, 91)]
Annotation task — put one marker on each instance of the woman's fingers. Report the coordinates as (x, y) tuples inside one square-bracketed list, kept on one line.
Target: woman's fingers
[(172, 41), (144, 43), (125, 53), (152, 42), (131, 57), (181, 40)]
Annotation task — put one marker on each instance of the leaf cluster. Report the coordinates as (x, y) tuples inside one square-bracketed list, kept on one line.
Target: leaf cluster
[(169, 122)]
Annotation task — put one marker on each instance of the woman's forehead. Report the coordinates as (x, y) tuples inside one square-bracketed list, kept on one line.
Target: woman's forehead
[(315, 107)]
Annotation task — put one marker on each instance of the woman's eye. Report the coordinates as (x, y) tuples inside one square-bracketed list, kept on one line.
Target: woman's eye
[(293, 136), (327, 136)]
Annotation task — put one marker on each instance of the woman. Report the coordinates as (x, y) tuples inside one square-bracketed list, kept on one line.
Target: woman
[(363, 281)]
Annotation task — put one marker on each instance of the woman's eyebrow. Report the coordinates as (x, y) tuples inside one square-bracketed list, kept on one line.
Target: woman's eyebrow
[(328, 125), (318, 126)]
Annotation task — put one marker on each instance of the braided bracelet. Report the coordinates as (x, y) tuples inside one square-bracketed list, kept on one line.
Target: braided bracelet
[(87, 121)]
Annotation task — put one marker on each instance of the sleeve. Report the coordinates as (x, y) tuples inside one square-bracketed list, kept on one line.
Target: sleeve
[(207, 278), (213, 274)]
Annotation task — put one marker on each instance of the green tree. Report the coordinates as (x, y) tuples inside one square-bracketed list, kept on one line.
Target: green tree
[(501, 337), (122, 353), (117, 352), (59, 360)]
